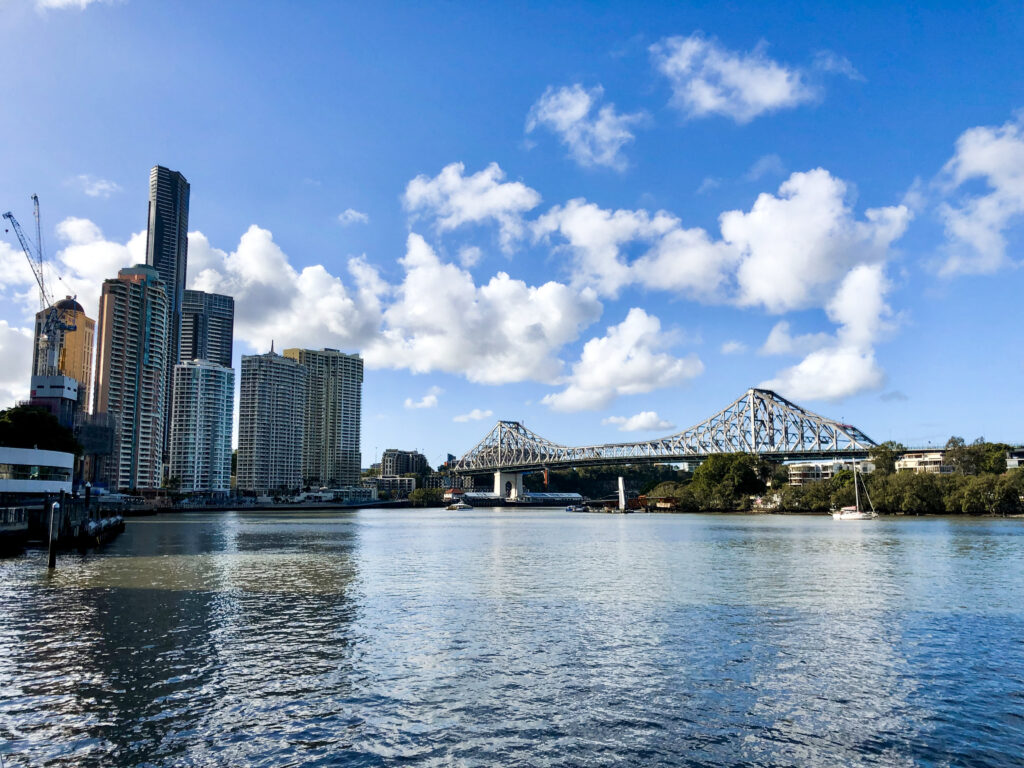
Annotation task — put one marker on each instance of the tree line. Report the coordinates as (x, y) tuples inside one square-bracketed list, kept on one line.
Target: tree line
[(979, 484)]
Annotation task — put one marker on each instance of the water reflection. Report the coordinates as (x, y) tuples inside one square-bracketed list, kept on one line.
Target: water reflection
[(518, 638)]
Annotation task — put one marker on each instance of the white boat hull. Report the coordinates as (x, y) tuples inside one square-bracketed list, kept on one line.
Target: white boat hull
[(853, 514)]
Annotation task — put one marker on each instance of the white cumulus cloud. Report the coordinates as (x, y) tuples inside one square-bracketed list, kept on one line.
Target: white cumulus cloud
[(644, 421), (708, 79), (846, 364), (45, 5), (429, 400), (625, 361), (274, 301), (352, 216), (594, 135), (733, 347), (501, 331), (454, 200), (781, 341), (475, 415), (796, 245), (976, 225)]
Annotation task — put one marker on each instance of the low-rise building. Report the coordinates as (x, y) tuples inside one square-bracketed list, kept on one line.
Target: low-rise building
[(805, 472), (395, 487), (1015, 458), (30, 472), (931, 460)]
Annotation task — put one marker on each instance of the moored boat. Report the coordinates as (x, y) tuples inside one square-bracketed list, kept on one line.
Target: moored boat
[(855, 512)]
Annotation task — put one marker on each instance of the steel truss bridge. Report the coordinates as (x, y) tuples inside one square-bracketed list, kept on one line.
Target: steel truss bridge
[(759, 422)]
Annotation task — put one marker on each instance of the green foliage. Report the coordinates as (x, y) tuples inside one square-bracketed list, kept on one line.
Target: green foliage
[(910, 493), (726, 481), (28, 426), (427, 497), (884, 456)]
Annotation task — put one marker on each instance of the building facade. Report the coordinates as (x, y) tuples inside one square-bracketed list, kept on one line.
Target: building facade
[(167, 252), (131, 376), (332, 416), (207, 327), (201, 427), (270, 423), (394, 463), (74, 348), (931, 460)]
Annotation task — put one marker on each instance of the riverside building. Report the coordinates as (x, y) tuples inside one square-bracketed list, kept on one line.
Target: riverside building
[(201, 427), (207, 327), (167, 252), (332, 416), (131, 376), (270, 423)]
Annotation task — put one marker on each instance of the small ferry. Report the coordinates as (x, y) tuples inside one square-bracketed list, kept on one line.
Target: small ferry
[(459, 505), (576, 508)]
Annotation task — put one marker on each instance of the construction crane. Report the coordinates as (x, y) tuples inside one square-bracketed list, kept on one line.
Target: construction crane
[(54, 324)]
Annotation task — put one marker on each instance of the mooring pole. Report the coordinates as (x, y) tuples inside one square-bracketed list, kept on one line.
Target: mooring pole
[(54, 510)]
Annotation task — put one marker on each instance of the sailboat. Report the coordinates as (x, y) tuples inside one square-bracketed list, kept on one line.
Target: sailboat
[(855, 512)]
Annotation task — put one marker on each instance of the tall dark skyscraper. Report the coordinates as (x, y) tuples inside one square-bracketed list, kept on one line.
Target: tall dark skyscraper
[(207, 327), (167, 251)]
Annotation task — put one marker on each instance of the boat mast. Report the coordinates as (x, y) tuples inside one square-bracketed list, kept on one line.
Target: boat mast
[(856, 490)]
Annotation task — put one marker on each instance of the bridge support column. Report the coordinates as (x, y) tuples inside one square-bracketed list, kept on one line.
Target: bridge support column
[(508, 485)]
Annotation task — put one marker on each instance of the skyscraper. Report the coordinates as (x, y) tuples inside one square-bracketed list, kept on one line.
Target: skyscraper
[(167, 251), (207, 327), (201, 426), (74, 348), (270, 423), (131, 375), (332, 415)]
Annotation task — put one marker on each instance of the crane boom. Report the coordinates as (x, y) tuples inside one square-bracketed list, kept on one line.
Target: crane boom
[(54, 324), (37, 265)]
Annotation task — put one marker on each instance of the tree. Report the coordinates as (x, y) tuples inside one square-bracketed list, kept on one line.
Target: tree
[(884, 456), (426, 497), (29, 426)]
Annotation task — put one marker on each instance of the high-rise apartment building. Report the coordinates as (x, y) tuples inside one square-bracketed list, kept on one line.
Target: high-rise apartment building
[(207, 327), (395, 463), (74, 348), (131, 375), (332, 416), (167, 251), (201, 427), (270, 423)]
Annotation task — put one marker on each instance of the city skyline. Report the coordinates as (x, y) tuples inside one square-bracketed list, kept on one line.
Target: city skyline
[(597, 247)]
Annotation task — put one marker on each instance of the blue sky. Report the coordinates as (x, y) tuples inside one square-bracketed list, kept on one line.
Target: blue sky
[(604, 220)]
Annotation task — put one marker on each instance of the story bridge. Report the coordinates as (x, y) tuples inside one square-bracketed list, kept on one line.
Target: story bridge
[(759, 421)]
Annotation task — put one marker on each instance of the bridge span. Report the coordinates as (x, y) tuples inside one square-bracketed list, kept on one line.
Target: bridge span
[(759, 421)]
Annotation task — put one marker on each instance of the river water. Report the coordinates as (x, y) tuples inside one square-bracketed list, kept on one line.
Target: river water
[(518, 637)]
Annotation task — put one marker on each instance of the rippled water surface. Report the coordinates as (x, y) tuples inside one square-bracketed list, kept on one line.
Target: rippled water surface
[(504, 637)]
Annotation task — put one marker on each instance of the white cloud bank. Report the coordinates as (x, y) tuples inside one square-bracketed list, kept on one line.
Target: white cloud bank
[(645, 421), (499, 332), (594, 135), (976, 226), (708, 79)]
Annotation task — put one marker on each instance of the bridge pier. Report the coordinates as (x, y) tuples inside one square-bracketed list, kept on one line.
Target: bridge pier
[(508, 485)]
